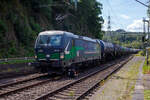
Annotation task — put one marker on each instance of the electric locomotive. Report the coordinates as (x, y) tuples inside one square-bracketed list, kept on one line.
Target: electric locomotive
[(62, 51)]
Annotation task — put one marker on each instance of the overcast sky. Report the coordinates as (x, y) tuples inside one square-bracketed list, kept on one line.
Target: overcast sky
[(125, 14)]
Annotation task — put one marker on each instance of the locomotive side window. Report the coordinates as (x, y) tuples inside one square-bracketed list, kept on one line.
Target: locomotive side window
[(79, 43), (91, 47)]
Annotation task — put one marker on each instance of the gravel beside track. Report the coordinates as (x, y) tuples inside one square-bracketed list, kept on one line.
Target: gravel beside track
[(42, 89)]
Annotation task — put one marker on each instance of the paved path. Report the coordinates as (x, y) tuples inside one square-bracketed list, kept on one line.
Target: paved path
[(139, 88), (121, 85)]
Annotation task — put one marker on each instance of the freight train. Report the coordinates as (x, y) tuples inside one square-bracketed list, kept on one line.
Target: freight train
[(62, 51)]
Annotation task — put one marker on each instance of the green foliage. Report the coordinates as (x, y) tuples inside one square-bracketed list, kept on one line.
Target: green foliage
[(146, 68), (29, 52), (17, 61), (141, 53), (90, 19), (23, 31), (146, 94), (39, 6), (9, 49), (28, 17), (3, 27), (35, 26), (134, 44), (13, 16), (3, 30), (12, 50), (131, 40)]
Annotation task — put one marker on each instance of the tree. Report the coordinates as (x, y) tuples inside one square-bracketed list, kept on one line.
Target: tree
[(90, 19)]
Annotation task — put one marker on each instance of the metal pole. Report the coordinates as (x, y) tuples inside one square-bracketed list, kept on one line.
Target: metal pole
[(144, 26), (147, 43), (143, 34), (146, 37)]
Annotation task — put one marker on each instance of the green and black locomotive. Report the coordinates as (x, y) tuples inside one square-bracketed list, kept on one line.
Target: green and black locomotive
[(62, 51)]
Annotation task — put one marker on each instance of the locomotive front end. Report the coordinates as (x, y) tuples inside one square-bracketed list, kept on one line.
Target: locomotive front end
[(49, 49)]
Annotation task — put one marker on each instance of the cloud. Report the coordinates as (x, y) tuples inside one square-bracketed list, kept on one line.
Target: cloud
[(125, 16), (136, 26)]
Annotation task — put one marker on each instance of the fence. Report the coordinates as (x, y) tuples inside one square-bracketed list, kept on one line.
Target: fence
[(14, 59)]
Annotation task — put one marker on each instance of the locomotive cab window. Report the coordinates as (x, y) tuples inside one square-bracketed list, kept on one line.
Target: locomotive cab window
[(49, 40)]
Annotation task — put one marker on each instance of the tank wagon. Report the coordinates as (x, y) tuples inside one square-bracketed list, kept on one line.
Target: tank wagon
[(61, 51), (107, 50)]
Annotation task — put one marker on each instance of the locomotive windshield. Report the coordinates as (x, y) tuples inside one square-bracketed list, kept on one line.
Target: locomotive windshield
[(49, 40)]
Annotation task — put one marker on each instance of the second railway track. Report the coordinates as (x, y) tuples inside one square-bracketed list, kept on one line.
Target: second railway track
[(20, 84)]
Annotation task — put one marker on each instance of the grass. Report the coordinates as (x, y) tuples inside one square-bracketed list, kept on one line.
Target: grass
[(16, 62), (146, 94), (146, 68), (140, 53), (131, 75)]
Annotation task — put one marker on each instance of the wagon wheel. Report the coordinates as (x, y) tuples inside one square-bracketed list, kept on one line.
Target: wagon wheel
[(72, 72)]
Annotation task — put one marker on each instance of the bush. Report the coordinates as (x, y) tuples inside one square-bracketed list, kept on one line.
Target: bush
[(39, 6), (3, 28), (24, 32), (12, 50), (35, 26), (12, 16)]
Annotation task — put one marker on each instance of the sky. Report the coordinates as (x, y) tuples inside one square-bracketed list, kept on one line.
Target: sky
[(125, 14)]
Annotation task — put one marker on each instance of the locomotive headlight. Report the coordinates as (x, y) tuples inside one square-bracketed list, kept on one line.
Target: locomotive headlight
[(47, 56), (61, 55), (35, 57)]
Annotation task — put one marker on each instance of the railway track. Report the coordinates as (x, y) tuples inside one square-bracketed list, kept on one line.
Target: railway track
[(76, 90), (20, 84), (21, 79), (64, 88)]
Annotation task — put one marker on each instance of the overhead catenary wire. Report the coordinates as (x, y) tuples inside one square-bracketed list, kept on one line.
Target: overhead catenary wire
[(142, 3), (114, 14)]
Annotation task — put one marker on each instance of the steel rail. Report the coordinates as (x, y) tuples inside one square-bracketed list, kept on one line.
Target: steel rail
[(21, 81), (28, 86)]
